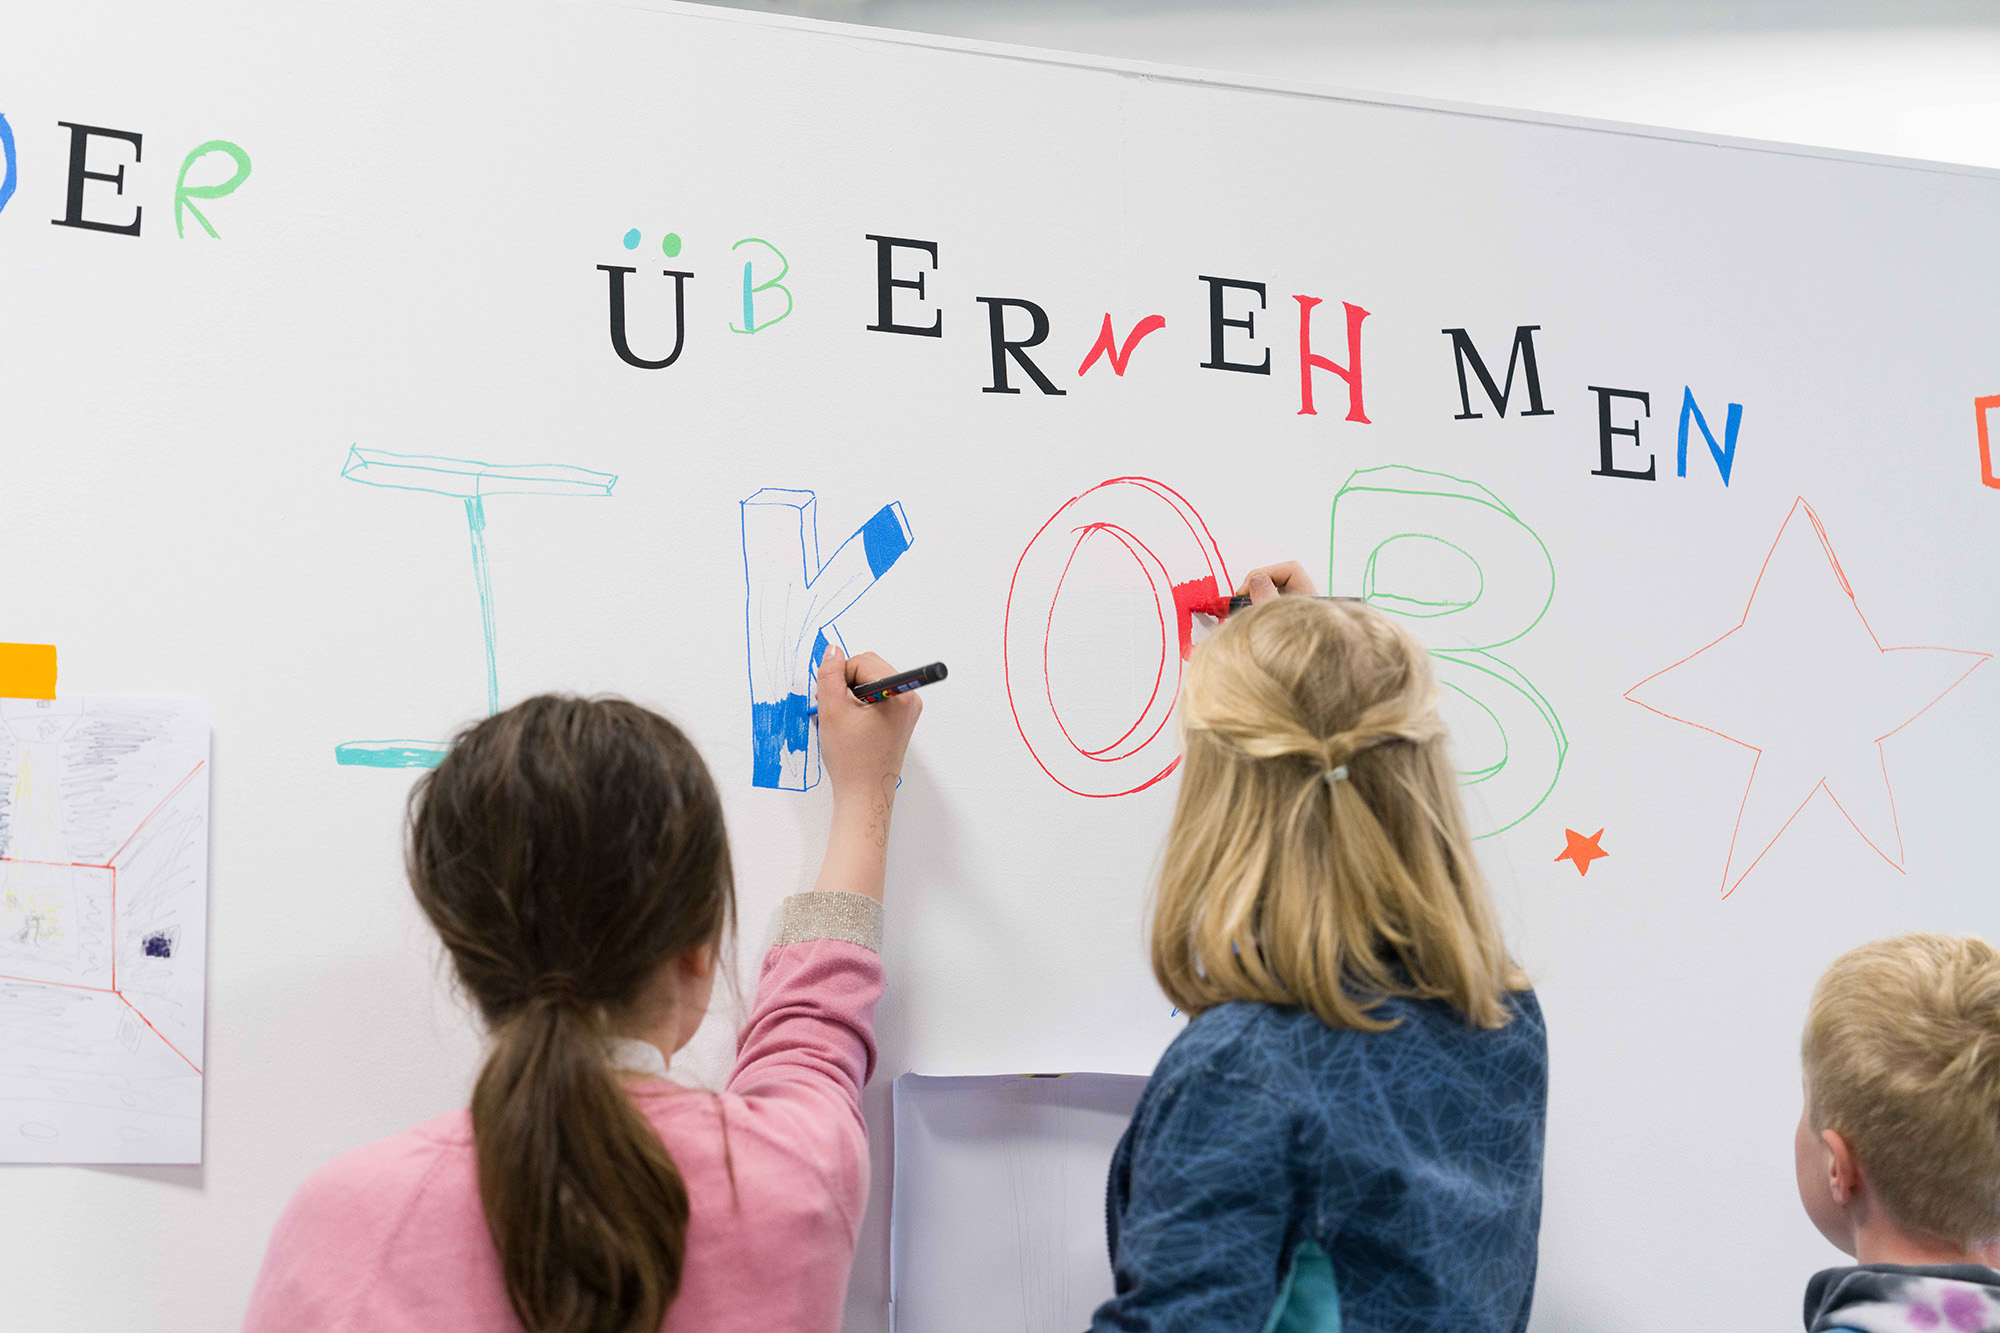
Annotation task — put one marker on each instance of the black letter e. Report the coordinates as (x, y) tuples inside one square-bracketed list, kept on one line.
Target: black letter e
[(79, 149)]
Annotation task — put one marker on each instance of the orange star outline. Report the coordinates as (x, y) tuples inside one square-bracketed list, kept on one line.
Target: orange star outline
[(1582, 850), (1826, 549)]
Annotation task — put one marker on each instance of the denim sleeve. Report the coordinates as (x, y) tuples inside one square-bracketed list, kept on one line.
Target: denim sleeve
[(1207, 1216)]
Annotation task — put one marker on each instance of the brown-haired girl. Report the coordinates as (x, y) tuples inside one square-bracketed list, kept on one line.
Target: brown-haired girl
[(1348, 1135), (572, 856)]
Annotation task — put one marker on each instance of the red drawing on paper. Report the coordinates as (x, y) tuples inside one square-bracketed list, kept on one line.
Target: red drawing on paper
[(103, 928), (1804, 684), (1581, 850), (19, 873), (1183, 570)]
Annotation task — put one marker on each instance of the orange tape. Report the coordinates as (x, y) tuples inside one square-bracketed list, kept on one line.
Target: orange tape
[(27, 671)]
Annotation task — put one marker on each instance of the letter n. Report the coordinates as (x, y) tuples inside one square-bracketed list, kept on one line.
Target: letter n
[(1725, 454), (792, 602)]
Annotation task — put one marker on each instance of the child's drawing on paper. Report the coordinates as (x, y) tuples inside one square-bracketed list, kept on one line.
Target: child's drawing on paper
[(103, 928)]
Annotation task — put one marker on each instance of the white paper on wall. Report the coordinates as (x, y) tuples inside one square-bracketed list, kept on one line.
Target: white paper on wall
[(103, 928), (998, 1213)]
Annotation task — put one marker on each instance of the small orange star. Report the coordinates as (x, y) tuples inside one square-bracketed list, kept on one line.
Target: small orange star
[(1582, 850)]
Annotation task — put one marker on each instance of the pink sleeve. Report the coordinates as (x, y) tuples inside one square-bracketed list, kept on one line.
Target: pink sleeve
[(812, 1029)]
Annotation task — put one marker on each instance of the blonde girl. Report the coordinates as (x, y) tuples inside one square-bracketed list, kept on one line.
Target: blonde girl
[(1348, 1134)]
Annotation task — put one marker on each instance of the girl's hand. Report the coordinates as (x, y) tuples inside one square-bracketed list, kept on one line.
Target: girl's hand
[(861, 744), (1268, 581)]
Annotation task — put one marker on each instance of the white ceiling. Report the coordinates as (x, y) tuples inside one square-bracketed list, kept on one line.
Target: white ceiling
[(1915, 79)]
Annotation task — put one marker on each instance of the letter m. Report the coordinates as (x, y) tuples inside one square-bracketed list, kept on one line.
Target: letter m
[(1522, 352), (792, 602)]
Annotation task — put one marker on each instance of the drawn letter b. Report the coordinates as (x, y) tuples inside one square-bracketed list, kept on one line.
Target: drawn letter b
[(1454, 563)]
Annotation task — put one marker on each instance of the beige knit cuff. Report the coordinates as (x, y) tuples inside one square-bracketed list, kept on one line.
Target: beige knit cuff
[(850, 917)]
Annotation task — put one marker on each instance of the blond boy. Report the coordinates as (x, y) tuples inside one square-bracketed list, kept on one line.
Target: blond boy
[(1899, 1145)]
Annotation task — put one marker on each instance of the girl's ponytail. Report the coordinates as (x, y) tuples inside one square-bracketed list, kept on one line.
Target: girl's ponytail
[(565, 850), (585, 1206), (1318, 854)]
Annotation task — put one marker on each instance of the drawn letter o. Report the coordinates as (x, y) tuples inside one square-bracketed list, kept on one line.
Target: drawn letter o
[(1162, 531)]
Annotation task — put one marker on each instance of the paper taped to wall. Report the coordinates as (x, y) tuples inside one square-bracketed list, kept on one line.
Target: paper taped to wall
[(997, 1221), (103, 928)]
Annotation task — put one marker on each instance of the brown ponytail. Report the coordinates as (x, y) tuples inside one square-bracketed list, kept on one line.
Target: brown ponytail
[(564, 850)]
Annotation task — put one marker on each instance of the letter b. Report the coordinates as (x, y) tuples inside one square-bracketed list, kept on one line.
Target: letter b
[(1448, 558)]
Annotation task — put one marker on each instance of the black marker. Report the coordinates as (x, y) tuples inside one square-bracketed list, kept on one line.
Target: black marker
[(1219, 609), (875, 691)]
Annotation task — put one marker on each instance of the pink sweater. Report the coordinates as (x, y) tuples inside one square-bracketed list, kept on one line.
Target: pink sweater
[(390, 1238)]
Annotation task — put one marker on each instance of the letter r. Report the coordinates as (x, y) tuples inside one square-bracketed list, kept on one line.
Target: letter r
[(791, 603)]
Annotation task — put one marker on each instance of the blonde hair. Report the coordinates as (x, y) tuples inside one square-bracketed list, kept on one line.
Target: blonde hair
[(1902, 1059), (1288, 883)]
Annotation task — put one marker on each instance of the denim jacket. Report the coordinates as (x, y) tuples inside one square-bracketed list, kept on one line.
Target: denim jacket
[(1283, 1176)]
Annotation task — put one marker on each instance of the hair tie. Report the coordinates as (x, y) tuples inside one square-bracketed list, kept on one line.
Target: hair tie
[(557, 986), (1336, 774)]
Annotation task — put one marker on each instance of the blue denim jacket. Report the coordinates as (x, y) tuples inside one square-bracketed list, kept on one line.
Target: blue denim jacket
[(1285, 1176)]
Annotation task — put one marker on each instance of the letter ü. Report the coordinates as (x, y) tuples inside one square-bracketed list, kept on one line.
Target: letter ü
[(619, 343)]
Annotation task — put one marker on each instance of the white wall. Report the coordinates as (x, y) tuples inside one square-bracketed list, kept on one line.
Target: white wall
[(323, 983), (1913, 79)]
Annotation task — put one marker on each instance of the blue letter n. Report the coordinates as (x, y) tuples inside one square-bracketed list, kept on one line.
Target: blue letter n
[(1725, 457), (792, 604)]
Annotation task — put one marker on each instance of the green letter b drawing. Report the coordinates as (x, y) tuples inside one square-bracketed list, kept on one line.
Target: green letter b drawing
[(1451, 560)]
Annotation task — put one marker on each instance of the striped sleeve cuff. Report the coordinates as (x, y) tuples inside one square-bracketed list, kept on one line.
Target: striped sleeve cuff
[(850, 917)]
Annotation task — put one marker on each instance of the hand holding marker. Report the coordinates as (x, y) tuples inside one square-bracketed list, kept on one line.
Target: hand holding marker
[(875, 691), (1224, 607), (863, 746), (1266, 582)]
